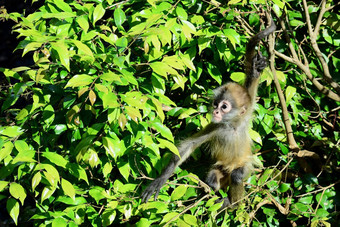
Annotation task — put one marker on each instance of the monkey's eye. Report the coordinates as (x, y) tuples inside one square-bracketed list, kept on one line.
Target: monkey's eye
[(215, 105), (224, 106)]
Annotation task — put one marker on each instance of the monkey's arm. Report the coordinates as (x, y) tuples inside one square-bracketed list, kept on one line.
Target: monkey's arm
[(255, 63), (185, 149)]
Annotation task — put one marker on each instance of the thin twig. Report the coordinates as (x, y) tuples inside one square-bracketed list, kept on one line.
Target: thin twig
[(186, 209)]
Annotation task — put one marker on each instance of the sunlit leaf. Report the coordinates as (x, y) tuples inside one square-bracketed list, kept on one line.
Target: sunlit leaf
[(18, 192), (290, 92), (36, 180), (98, 13), (55, 158), (13, 209), (119, 17), (68, 188), (79, 80), (63, 53), (6, 150), (166, 144), (178, 192), (11, 131), (3, 184)]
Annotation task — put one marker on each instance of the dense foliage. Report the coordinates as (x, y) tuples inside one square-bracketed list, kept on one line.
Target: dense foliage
[(86, 127)]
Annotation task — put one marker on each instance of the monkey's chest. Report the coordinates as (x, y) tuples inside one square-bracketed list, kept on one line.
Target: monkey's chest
[(232, 148)]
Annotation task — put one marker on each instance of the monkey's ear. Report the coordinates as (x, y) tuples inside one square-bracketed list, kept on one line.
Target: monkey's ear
[(243, 110)]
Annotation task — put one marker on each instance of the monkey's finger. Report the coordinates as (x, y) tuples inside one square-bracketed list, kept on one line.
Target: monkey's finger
[(146, 196), (156, 194)]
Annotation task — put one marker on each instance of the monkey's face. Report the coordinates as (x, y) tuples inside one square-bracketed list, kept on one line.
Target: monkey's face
[(221, 108)]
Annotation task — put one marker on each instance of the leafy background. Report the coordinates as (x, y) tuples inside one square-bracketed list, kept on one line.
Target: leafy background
[(110, 87)]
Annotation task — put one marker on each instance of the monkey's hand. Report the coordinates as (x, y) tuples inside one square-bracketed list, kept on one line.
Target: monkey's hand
[(154, 187), (258, 65)]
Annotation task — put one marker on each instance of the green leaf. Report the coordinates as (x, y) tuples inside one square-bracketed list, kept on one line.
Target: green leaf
[(279, 3), (119, 17), (215, 207), (181, 13), (59, 222), (107, 169), (290, 92), (186, 113), (83, 22), (3, 184), (158, 67), (189, 26), (168, 217), (48, 115), (36, 180), (22, 114), (83, 49), (180, 82), (77, 171), (97, 193), (178, 192), (111, 146), (108, 216), (62, 5), (93, 158), (232, 36), (284, 187), (124, 169), (166, 144), (68, 188), (63, 53), (190, 219), (21, 146), (165, 131), (254, 19), (133, 113), (6, 150), (52, 173), (98, 13), (13, 209), (238, 77), (18, 192), (55, 158), (255, 136), (79, 80), (281, 76), (215, 73), (11, 131), (47, 193), (187, 61), (265, 176), (143, 222)]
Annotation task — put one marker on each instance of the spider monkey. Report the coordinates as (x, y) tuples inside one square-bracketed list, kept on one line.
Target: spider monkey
[(227, 134)]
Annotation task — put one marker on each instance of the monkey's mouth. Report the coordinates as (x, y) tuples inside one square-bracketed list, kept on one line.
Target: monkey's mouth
[(217, 118)]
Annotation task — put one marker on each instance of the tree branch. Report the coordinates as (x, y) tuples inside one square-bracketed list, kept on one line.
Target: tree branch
[(289, 131), (303, 66), (313, 36)]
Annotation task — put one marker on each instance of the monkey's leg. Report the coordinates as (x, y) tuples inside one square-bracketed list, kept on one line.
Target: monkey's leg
[(218, 178), (214, 179), (236, 188)]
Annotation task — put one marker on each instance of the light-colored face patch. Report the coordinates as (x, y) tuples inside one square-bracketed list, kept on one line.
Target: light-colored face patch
[(221, 108)]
